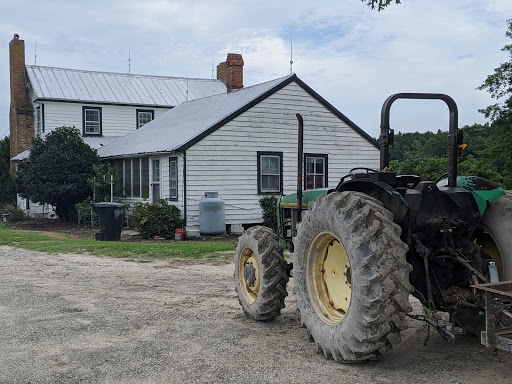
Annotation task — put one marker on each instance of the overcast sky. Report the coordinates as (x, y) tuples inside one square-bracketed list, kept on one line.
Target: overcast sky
[(352, 56)]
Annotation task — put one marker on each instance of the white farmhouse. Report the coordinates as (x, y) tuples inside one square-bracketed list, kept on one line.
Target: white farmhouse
[(242, 144), (102, 105)]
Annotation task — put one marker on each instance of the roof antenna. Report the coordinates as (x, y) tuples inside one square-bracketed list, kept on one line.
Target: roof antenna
[(212, 67), (291, 55), (35, 55), (129, 62)]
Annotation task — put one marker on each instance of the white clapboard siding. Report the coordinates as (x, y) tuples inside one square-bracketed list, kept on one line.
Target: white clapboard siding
[(226, 160), (117, 120)]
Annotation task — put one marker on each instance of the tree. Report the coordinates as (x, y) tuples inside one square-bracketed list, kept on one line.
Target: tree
[(57, 170), (499, 85), (7, 194), (379, 4)]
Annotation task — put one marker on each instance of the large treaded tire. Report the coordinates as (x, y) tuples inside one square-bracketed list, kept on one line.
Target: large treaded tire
[(272, 267), (497, 222), (380, 285)]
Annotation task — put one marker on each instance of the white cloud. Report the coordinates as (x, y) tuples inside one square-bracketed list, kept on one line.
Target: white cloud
[(352, 56)]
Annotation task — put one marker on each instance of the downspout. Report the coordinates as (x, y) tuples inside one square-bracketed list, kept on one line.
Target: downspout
[(184, 189)]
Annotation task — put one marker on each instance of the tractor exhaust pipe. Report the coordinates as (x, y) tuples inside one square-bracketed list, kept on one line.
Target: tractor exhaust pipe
[(454, 135), (300, 151)]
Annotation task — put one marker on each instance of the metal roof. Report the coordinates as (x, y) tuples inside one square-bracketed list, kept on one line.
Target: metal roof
[(189, 121), (92, 141), (52, 83)]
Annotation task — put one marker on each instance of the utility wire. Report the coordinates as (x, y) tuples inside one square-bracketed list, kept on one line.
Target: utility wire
[(3, 134)]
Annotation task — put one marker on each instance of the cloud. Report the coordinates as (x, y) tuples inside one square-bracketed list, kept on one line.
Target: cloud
[(352, 56)]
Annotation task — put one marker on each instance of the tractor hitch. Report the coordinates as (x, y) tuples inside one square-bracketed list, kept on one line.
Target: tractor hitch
[(498, 315)]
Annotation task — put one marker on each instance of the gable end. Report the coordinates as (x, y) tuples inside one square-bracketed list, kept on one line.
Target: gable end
[(340, 115), (271, 91), (246, 107)]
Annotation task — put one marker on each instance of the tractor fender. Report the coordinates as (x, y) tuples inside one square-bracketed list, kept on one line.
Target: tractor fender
[(390, 198)]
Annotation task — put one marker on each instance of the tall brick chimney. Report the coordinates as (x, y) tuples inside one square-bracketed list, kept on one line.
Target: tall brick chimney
[(231, 72), (21, 116)]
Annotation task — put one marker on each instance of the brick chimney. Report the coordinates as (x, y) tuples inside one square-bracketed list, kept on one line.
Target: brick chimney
[(21, 116), (231, 72)]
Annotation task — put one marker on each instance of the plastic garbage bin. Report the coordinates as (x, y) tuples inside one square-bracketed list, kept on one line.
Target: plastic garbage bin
[(110, 216)]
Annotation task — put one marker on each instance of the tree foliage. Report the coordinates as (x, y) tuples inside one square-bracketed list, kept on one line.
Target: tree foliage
[(426, 155), (7, 192), (57, 170), (380, 5), (489, 150), (499, 86)]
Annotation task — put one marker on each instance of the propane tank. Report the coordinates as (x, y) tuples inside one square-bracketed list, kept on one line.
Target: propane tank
[(212, 214)]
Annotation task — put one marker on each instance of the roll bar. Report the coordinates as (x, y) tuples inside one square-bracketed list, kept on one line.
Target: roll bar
[(454, 135)]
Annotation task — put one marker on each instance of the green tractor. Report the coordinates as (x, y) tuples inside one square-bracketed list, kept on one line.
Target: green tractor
[(360, 249)]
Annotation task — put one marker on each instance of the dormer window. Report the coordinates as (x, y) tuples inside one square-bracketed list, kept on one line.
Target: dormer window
[(144, 116), (91, 118)]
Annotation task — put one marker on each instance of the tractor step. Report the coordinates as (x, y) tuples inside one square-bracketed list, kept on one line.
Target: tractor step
[(498, 315)]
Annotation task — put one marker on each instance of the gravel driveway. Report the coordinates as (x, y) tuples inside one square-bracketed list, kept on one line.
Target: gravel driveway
[(79, 318)]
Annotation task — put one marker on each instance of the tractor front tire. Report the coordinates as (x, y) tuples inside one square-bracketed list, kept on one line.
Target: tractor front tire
[(351, 277), (260, 273)]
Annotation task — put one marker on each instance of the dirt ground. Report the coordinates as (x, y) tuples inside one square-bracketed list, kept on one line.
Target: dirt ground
[(80, 318)]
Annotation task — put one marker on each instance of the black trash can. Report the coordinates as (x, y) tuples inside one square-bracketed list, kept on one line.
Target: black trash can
[(110, 216)]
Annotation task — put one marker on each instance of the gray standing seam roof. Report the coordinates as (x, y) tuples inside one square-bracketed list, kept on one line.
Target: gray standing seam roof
[(50, 83), (187, 122)]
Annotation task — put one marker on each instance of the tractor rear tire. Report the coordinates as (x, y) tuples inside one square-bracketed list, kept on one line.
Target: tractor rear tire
[(260, 273), (351, 277), (496, 239)]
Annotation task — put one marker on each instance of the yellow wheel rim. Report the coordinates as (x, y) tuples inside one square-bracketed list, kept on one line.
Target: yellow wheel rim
[(489, 246), (329, 278), (249, 275)]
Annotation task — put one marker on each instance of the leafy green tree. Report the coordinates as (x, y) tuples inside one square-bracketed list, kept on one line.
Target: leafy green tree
[(379, 4), (426, 154), (480, 167), (7, 192), (499, 85), (57, 170)]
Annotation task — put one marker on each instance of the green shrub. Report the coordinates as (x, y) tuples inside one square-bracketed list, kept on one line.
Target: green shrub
[(85, 214), (268, 205), (15, 213), (160, 219)]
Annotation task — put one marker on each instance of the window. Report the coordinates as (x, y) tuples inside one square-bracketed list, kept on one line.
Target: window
[(270, 172), (173, 178), (144, 116), (135, 178), (91, 120), (128, 177), (38, 121), (132, 178), (315, 171), (145, 177)]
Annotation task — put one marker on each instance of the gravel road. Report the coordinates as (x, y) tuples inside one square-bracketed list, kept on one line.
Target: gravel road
[(80, 318)]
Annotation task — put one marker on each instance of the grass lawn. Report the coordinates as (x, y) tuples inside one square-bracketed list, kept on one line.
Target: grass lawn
[(60, 243)]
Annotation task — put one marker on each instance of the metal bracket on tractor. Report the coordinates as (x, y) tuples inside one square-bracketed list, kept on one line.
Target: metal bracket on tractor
[(498, 315)]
